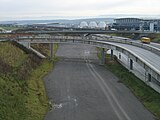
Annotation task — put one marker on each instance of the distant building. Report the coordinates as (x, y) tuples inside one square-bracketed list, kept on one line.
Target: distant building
[(83, 24), (151, 24), (56, 25), (93, 24), (102, 25), (127, 24), (151, 27), (137, 24)]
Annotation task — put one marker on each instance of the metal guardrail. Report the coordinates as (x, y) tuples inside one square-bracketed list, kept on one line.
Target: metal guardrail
[(101, 42), (110, 44), (130, 42), (99, 38), (95, 37)]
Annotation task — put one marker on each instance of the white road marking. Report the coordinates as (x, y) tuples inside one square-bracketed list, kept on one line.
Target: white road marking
[(103, 85)]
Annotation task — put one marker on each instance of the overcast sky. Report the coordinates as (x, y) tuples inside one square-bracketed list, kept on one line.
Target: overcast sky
[(26, 9)]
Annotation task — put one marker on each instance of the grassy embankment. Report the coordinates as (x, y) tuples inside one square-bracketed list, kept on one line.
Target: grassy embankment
[(22, 92), (156, 38), (9, 27), (144, 93)]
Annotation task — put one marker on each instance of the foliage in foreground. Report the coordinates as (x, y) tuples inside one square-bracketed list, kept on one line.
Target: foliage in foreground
[(146, 95), (22, 92), (149, 97)]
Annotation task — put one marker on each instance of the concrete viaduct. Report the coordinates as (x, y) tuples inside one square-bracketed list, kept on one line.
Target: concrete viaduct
[(147, 57)]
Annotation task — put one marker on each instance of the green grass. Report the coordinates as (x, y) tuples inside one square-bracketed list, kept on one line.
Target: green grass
[(146, 95), (42, 48), (12, 100), (55, 51), (37, 102), (11, 55), (45, 48), (10, 27), (149, 97), (22, 91), (27, 103), (156, 40)]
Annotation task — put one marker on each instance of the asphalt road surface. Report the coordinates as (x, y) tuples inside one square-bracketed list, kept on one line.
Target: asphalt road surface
[(81, 90)]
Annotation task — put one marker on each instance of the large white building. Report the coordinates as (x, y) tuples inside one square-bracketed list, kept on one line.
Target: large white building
[(102, 25), (83, 24), (93, 24)]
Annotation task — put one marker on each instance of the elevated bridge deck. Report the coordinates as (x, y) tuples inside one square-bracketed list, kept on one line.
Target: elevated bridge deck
[(144, 56)]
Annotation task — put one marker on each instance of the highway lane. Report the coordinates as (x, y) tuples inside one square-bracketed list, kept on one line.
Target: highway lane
[(84, 91), (146, 55), (157, 45), (152, 44)]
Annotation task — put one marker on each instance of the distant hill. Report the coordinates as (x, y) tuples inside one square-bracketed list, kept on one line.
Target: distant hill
[(65, 21)]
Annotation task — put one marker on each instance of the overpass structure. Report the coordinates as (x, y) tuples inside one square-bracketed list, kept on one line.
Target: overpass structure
[(28, 31), (88, 32), (147, 57)]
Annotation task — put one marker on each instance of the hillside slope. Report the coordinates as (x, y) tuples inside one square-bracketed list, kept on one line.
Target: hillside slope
[(22, 92)]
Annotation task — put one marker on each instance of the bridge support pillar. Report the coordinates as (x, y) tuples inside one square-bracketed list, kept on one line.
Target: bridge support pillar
[(103, 56), (111, 54), (51, 51), (131, 64), (29, 45)]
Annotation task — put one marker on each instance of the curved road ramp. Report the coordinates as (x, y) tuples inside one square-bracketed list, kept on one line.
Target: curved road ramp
[(80, 90)]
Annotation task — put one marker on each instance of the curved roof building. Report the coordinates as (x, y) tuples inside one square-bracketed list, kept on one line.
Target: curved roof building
[(83, 24), (93, 24), (101, 24)]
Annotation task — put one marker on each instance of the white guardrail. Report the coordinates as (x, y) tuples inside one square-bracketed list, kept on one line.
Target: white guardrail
[(129, 42)]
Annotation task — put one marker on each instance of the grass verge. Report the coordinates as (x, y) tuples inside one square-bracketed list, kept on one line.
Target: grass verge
[(145, 94), (22, 91), (37, 102), (149, 97)]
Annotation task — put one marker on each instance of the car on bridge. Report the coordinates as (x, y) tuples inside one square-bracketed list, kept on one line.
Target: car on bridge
[(145, 40)]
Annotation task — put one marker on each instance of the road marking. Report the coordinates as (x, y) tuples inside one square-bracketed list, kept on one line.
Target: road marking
[(103, 85)]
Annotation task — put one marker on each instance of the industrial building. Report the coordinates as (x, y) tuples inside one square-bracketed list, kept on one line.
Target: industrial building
[(137, 24)]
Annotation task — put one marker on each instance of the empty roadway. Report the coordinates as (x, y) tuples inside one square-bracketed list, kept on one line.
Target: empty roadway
[(80, 90)]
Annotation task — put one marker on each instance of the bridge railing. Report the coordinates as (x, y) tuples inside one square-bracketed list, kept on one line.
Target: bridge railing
[(130, 42), (106, 43), (98, 38)]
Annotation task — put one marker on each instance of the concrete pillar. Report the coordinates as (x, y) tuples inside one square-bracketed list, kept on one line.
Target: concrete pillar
[(131, 64), (112, 54), (103, 56), (51, 51), (29, 45)]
